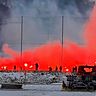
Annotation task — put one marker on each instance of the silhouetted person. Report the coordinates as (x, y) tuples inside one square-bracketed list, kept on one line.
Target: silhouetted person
[(56, 68), (50, 69), (14, 67), (36, 66), (60, 68)]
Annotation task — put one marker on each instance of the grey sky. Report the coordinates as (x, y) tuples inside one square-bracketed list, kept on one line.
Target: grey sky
[(42, 22)]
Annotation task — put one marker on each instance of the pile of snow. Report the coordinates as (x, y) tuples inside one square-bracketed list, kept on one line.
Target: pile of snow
[(11, 77), (31, 77)]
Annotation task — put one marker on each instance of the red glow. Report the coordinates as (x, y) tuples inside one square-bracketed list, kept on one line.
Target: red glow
[(50, 54), (88, 69)]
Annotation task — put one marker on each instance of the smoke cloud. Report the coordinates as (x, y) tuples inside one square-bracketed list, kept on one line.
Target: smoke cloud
[(42, 21), (42, 34)]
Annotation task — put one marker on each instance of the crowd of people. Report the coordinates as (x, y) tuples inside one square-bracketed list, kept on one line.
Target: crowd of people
[(56, 69), (36, 68), (50, 68)]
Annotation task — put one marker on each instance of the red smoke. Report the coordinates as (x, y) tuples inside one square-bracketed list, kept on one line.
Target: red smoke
[(51, 54)]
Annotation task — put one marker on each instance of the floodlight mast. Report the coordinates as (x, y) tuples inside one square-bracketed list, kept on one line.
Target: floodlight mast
[(62, 41), (62, 30), (22, 22)]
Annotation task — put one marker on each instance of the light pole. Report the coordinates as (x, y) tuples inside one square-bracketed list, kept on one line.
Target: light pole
[(62, 37), (22, 21)]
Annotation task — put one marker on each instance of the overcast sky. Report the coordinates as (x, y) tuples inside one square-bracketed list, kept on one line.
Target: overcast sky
[(42, 22)]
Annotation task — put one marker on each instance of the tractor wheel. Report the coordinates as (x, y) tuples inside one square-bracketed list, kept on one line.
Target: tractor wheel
[(91, 88)]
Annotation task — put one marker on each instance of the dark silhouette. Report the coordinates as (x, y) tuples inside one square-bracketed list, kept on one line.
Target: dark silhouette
[(56, 68), (50, 69), (14, 67), (36, 66), (60, 68)]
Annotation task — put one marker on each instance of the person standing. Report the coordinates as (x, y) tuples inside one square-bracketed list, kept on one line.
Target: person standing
[(36, 66), (50, 69), (60, 68), (56, 68)]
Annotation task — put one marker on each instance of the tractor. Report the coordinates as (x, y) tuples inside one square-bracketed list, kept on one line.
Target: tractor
[(83, 77)]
